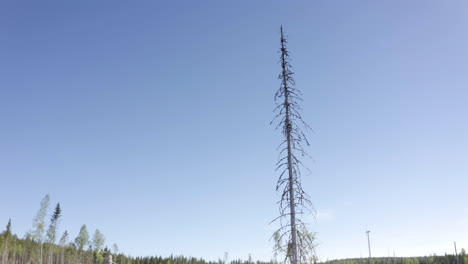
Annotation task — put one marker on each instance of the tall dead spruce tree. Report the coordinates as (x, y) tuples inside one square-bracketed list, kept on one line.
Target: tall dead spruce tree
[(292, 238)]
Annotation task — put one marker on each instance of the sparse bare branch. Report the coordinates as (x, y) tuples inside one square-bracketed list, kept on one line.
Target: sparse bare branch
[(292, 238)]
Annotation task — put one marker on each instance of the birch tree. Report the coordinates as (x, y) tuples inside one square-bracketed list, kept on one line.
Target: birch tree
[(115, 248), (63, 243), (82, 240), (39, 225), (98, 240), (292, 238), (7, 235), (98, 243)]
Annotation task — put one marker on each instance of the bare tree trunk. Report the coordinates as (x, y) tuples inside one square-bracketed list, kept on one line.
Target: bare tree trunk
[(40, 255), (51, 254), (62, 257), (292, 238), (5, 252), (290, 162)]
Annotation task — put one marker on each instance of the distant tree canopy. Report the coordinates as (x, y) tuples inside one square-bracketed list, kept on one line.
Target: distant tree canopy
[(82, 250), (446, 259), (15, 250), (31, 248)]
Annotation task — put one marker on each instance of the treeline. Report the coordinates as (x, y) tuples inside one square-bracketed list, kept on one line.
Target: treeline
[(43, 245), (462, 258), (27, 251)]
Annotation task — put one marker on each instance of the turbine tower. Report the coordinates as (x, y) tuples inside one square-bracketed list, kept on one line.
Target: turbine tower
[(368, 242)]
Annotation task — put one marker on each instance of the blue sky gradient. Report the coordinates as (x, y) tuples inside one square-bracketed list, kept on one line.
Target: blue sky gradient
[(150, 121)]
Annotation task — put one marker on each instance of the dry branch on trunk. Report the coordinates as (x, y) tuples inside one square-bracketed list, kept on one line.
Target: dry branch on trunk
[(292, 238)]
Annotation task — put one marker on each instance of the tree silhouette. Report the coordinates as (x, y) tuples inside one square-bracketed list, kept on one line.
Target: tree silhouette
[(292, 238)]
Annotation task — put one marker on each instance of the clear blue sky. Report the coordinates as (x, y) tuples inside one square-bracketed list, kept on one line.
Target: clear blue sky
[(150, 121)]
